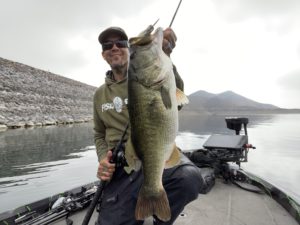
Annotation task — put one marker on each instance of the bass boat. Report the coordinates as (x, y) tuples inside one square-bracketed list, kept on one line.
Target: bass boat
[(230, 195)]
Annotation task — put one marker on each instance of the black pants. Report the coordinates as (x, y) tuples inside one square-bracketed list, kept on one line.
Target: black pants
[(182, 184)]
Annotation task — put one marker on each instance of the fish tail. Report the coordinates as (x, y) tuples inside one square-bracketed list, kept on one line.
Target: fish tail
[(153, 205)]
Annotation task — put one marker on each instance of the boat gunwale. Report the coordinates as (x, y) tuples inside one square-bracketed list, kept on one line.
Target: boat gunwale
[(281, 197), (44, 205), (40, 206)]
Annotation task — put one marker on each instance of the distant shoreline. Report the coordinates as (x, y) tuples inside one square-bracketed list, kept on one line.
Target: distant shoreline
[(31, 97), (183, 113), (24, 125), (187, 112)]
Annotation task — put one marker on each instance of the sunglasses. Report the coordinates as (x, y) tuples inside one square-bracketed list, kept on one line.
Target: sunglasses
[(110, 44)]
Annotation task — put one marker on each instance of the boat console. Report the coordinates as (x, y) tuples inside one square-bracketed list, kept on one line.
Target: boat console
[(223, 154), (230, 148)]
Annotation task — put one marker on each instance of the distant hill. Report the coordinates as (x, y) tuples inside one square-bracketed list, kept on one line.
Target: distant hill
[(228, 102), (30, 97), (33, 97)]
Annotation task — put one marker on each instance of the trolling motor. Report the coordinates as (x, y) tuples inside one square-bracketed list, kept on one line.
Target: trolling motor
[(220, 150), (235, 123)]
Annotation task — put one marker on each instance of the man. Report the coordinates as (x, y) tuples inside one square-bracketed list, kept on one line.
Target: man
[(182, 183)]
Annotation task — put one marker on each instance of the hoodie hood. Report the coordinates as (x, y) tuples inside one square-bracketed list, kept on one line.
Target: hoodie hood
[(109, 79)]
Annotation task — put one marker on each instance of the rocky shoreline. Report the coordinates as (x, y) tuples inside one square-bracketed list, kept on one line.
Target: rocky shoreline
[(32, 97)]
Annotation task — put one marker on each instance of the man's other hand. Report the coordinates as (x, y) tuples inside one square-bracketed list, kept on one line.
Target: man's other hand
[(105, 168), (169, 41)]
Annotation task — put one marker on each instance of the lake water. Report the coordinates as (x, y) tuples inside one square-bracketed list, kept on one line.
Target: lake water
[(39, 162)]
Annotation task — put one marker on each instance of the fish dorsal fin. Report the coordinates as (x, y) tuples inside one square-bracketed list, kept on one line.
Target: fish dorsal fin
[(140, 41), (174, 158), (181, 98), (143, 38), (147, 32), (133, 161)]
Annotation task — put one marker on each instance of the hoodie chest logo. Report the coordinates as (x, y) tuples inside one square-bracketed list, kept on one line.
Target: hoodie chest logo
[(117, 104)]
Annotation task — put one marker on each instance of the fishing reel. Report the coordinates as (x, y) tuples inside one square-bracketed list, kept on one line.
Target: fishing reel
[(118, 152), (118, 156)]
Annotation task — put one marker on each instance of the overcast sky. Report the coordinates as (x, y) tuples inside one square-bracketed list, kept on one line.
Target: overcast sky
[(251, 47)]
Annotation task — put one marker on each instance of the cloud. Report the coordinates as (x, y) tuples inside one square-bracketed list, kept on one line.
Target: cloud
[(41, 31), (290, 81), (219, 41), (283, 16), (67, 14), (236, 9)]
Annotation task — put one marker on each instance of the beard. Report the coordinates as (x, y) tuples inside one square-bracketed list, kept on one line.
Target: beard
[(120, 68)]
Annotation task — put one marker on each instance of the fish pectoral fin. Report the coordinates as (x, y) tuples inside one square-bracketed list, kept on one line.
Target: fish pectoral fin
[(133, 161), (181, 98), (174, 158), (166, 98)]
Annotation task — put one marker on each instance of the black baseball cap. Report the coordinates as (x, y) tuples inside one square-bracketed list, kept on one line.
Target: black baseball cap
[(112, 30)]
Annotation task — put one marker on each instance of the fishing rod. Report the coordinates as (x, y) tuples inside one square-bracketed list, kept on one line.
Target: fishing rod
[(175, 13), (118, 157), (62, 207), (169, 46)]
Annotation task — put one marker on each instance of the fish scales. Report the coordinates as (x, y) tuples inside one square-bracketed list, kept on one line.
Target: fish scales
[(153, 113)]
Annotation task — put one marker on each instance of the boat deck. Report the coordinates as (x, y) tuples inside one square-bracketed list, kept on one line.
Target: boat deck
[(225, 204), (229, 204)]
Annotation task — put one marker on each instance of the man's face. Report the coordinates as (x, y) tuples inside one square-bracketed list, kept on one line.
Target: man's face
[(116, 57)]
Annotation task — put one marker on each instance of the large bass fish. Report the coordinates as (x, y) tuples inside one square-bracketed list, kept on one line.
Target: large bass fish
[(152, 105)]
